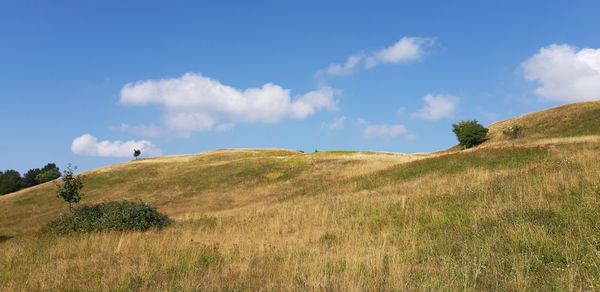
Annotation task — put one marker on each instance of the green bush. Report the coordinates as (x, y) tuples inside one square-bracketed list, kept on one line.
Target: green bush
[(119, 216), (10, 181), (513, 132), (70, 190), (469, 133)]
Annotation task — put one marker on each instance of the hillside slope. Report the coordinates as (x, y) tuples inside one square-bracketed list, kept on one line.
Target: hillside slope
[(571, 120), (506, 216), (194, 184)]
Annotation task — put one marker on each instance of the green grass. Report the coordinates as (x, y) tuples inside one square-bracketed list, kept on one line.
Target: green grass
[(199, 175), (446, 164), (484, 249)]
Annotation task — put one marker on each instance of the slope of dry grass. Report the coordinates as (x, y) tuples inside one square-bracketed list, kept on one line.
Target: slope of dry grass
[(571, 120), (209, 182), (508, 215), (494, 218)]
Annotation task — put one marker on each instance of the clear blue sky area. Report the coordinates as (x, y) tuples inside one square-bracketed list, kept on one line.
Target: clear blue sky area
[(85, 81)]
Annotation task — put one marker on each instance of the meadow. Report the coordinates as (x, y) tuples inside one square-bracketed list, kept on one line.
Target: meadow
[(505, 216)]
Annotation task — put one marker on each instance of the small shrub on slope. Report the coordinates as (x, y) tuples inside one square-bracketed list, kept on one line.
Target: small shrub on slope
[(513, 132), (70, 190), (469, 133), (119, 216)]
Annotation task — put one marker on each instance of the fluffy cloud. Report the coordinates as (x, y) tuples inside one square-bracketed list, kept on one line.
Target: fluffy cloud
[(564, 73), (88, 145), (198, 103), (436, 107), (335, 124), (405, 50), (343, 69)]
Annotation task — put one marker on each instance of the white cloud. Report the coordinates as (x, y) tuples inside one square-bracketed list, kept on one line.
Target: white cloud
[(343, 69), (436, 107), (88, 145), (335, 124), (197, 103), (564, 73), (384, 131), (404, 50)]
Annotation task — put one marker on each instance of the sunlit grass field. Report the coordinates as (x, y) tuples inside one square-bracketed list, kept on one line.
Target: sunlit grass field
[(570, 120), (521, 215)]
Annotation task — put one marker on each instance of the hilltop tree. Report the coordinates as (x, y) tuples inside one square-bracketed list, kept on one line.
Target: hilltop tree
[(10, 181), (469, 133), (29, 179), (70, 190), (136, 153), (48, 173), (36, 176)]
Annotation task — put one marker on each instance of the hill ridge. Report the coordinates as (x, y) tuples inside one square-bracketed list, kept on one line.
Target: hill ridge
[(507, 215)]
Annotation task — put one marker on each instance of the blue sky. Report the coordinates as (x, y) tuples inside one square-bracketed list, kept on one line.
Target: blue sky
[(85, 81)]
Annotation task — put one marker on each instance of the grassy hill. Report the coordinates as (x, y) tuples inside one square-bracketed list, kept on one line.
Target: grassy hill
[(571, 120), (506, 216)]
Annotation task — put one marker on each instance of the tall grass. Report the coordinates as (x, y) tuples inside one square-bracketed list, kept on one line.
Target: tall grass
[(491, 219), (571, 120)]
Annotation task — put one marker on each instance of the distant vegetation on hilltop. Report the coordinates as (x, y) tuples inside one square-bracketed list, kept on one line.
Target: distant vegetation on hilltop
[(12, 181)]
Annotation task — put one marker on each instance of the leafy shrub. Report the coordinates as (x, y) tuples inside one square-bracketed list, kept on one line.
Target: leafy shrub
[(10, 181), (513, 132), (119, 216), (469, 133), (70, 190)]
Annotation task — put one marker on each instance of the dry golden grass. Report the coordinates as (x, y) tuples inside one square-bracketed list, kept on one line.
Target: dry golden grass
[(494, 218), (571, 120), (570, 123), (179, 185), (508, 215)]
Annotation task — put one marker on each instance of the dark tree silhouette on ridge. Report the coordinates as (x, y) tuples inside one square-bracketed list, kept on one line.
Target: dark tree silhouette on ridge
[(136, 153)]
